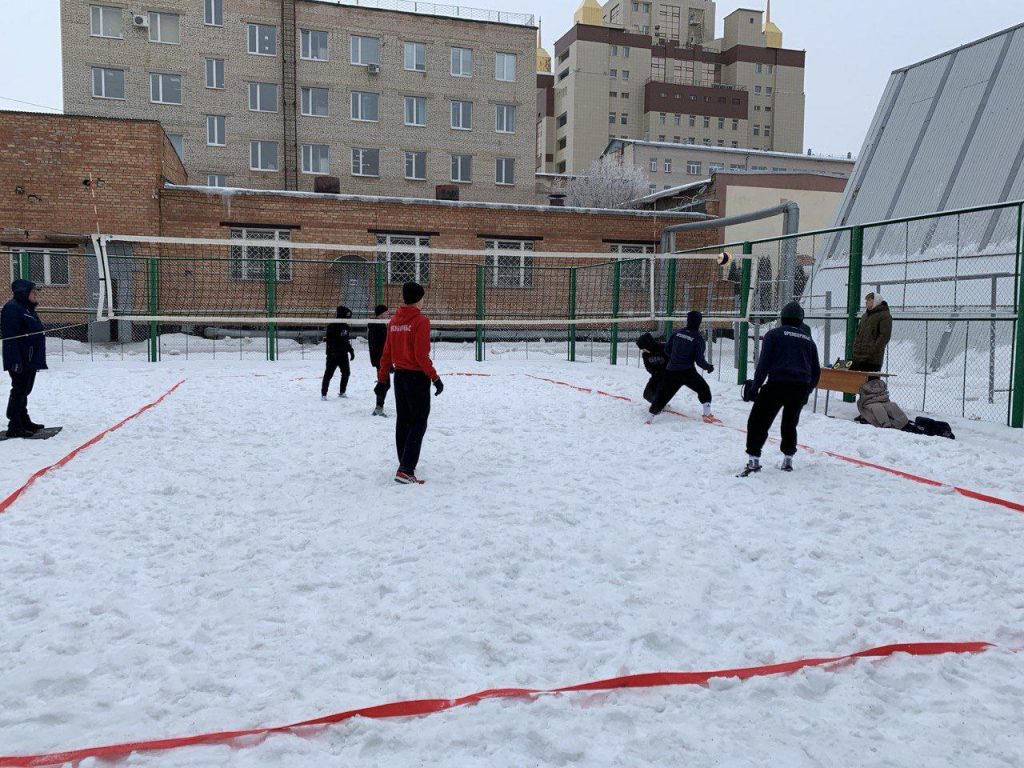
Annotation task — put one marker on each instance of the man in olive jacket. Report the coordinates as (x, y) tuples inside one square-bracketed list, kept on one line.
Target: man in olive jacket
[(873, 335)]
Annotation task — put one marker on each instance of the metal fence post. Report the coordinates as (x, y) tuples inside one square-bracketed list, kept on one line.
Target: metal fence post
[(572, 314), (616, 274), (153, 285), (270, 280), (1017, 398), (24, 270), (378, 281), (853, 286), (479, 312), (744, 327), (670, 296)]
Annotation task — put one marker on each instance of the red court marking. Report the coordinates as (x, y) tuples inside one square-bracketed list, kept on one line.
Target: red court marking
[(14, 496), (429, 706)]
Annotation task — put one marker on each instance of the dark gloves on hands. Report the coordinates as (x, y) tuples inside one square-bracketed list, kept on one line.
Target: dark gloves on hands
[(750, 391), (381, 388), (438, 386)]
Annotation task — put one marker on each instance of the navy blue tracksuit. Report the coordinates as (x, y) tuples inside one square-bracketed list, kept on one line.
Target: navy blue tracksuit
[(685, 353), (24, 351)]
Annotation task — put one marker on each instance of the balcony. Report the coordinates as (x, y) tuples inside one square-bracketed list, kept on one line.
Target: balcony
[(441, 9), (698, 83)]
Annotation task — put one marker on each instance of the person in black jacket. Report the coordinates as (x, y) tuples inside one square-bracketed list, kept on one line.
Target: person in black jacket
[(24, 353), (789, 364), (339, 352), (685, 352), (376, 337), (653, 353)]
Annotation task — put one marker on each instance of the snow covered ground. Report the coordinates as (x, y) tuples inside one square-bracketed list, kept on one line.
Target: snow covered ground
[(238, 556)]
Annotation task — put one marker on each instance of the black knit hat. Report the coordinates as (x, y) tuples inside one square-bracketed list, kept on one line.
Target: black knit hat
[(412, 292), (380, 309), (344, 311), (646, 342), (693, 320), (792, 314)]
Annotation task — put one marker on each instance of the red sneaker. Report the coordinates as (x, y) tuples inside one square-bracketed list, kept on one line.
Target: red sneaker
[(407, 478)]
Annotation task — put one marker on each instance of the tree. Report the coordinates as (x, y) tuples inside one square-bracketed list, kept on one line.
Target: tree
[(608, 184)]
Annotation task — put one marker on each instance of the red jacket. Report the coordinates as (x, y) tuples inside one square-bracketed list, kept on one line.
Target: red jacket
[(408, 344)]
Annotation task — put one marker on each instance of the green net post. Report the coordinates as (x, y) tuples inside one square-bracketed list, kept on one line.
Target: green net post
[(572, 314), (23, 270), (742, 343), (378, 282), (670, 295), (153, 292), (479, 312), (853, 286), (1017, 399), (270, 281), (616, 275)]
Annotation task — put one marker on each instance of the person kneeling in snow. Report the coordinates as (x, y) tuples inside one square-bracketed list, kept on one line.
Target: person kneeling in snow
[(655, 360), (877, 409), (685, 352)]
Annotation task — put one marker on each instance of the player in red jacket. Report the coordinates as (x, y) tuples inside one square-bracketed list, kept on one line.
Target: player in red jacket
[(408, 350)]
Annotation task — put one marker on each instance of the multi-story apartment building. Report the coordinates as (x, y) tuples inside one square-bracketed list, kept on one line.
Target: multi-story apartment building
[(654, 71), (273, 93)]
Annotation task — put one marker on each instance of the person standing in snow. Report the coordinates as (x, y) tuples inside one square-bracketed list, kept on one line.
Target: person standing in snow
[(685, 352), (873, 334), (376, 336), (24, 353), (339, 353), (408, 349), (789, 364), (653, 354)]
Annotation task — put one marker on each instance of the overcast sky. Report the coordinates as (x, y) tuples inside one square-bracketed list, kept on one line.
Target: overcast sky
[(852, 46)]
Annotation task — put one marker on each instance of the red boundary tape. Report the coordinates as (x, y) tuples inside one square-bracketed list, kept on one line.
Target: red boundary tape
[(28, 483), (966, 492), (430, 706)]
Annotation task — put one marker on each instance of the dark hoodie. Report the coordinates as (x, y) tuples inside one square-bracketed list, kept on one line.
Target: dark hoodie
[(18, 319), (788, 355), (653, 354), (338, 342), (685, 349)]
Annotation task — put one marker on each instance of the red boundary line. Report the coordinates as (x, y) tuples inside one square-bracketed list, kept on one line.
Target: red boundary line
[(429, 706), (45, 470), (966, 492)]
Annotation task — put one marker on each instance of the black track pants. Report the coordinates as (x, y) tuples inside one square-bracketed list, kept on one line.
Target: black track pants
[(788, 397), (412, 406), (673, 381), (334, 364)]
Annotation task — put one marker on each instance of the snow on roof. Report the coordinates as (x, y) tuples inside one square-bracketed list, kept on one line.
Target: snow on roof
[(729, 150), (671, 191)]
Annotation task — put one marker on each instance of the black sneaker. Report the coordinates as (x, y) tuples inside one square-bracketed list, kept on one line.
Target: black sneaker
[(750, 469), (787, 464), (32, 427)]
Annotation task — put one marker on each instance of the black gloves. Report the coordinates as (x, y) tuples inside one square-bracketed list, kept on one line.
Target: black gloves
[(438, 386), (750, 391), (710, 368), (351, 354), (381, 388)]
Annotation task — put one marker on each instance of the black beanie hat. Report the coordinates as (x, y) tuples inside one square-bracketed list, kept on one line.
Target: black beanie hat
[(792, 314), (412, 292), (646, 341), (380, 309), (344, 311), (693, 320)]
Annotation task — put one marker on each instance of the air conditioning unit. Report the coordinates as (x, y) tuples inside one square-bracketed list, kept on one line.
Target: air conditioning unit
[(373, 69), (140, 20)]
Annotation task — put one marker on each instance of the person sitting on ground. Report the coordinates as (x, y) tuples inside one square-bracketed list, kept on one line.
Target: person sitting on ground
[(873, 334), (652, 352), (685, 352), (376, 337), (339, 353), (877, 409)]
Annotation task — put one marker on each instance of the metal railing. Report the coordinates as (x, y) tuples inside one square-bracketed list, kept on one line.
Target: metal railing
[(442, 9)]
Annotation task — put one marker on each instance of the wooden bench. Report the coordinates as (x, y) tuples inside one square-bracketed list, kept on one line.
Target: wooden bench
[(843, 380)]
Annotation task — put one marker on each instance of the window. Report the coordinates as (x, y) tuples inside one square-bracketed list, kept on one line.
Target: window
[(563, 142), (693, 121), (178, 142), (216, 180), (769, 69), (676, 140), (661, 118), (778, 170), (611, 117), (403, 258), (263, 97), (721, 123), (693, 167), (612, 95), (505, 170), (45, 267), (462, 62), (757, 107), (757, 89), (365, 50), (215, 73), (505, 67), (315, 102), (263, 155), (107, 83), (625, 74), (562, 119), (563, 74), (759, 167), (759, 68), (215, 131), (313, 45), (767, 130), (613, 73), (768, 90), (735, 167), (767, 109), (661, 137), (316, 158), (679, 119), (164, 28), (262, 39), (249, 262), (625, 51), (735, 144), (560, 167), (462, 115), (654, 165), (707, 121), (415, 110), (462, 168), (105, 21), (735, 125), (615, 50), (757, 130), (668, 166), (510, 265), (633, 271), (715, 167), (365, 162), (416, 165), (416, 57), (625, 94), (164, 89), (365, 106), (505, 118), (214, 15), (624, 118)]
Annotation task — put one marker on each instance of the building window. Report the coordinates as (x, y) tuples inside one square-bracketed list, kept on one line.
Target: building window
[(416, 166), (779, 170), (164, 28), (624, 118), (164, 89), (563, 142), (415, 111), (759, 167), (633, 271), (757, 130), (759, 68), (678, 119), (313, 45), (215, 130), (768, 90), (216, 180), (105, 21), (45, 267), (315, 102), (263, 97), (505, 118), (505, 67), (560, 167), (262, 155), (693, 121), (668, 166), (767, 131), (735, 144), (767, 109), (615, 50), (612, 95), (563, 74), (721, 123), (675, 140), (757, 89), (462, 62), (416, 57), (625, 94), (505, 170), (215, 73), (462, 115), (661, 118), (408, 262), (611, 117), (365, 50), (625, 74), (178, 142), (365, 106), (562, 119), (735, 125), (214, 13), (511, 263), (107, 83), (365, 162), (625, 51), (613, 73), (249, 262), (654, 165), (757, 107), (707, 121), (316, 158), (462, 168), (262, 40), (661, 137), (770, 69), (693, 167)]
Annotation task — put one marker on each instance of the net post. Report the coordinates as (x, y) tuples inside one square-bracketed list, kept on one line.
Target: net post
[(479, 312), (378, 281), (616, 275), (572, 314), (24, 266), (670, 296), (853, 286), (153, 285), (744, 326), (270, 282), (1017, 399)]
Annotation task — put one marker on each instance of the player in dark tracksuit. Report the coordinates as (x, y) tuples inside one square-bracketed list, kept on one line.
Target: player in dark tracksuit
[(655, 361), (790, 366), (685, 352), (339, 352), (376, 338)]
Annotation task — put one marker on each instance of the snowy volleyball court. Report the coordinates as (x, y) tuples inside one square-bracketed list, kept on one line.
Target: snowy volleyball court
[(238, 556)]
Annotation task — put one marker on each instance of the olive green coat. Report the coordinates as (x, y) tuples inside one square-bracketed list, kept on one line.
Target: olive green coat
[(873, 335)]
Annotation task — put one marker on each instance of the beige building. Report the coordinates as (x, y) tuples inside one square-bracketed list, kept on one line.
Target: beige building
[(274, 93), (654, 71)]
